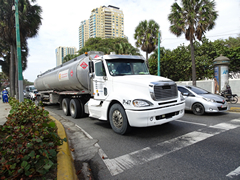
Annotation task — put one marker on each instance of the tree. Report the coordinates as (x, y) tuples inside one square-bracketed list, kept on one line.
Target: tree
[(69, 57), (233, 42), (125, 48), (117, 45), (146, 36), (193, 19), (29, 20)]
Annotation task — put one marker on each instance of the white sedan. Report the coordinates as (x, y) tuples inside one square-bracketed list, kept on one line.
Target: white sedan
[(200, 101)]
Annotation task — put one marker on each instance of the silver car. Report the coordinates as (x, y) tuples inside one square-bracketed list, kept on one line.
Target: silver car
[(200, 101)]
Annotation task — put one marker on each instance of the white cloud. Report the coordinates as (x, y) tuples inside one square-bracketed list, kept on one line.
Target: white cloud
[(61, 20)]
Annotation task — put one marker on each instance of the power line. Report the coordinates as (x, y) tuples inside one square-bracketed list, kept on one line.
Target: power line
[(206, 36)]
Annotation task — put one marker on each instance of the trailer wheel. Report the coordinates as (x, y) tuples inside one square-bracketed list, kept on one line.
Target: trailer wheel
[(75, 108), (65, 106), (118, 119)]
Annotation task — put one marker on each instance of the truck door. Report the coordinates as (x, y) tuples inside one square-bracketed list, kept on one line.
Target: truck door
[(99, 81)]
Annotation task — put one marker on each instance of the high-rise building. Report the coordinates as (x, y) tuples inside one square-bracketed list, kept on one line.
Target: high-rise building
[(83, 33), (104, 22), (61, 52)]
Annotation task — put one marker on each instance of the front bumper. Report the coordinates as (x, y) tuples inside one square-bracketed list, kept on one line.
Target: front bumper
[(153, 117), (216, 107)]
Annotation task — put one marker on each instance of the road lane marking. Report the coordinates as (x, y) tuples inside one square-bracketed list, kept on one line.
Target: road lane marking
[(236, 172), (199, 124), (120, 164)]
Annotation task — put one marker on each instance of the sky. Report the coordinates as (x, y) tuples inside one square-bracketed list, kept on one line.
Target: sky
[(61, 20)]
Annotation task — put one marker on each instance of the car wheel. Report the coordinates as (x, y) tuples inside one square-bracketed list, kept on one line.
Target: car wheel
[(65, 106), (75, 108), (198, 109), (118, 119)]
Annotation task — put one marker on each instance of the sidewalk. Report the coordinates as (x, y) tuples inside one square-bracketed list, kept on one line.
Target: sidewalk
[(4, 110)]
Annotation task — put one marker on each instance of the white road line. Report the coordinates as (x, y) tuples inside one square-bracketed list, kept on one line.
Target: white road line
[(236, 172), (128, 161), (200, 124)]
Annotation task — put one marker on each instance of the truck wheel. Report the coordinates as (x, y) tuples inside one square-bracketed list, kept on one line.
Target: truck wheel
[(75, 108), (118, 119), (65, 106)]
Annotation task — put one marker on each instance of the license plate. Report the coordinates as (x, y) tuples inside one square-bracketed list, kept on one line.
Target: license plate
[(223, 106)]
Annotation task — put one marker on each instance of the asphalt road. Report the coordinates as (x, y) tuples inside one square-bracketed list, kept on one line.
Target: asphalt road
[(193, 147)]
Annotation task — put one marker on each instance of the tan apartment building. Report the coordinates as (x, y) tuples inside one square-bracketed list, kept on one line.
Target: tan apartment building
[(83, 33), (61, 52), (104, 22)]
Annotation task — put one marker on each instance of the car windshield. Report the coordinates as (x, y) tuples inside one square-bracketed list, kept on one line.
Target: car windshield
[(31, 88), (127, 67), (197, 90)]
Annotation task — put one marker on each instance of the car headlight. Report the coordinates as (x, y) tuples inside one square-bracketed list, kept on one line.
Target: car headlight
[(141, 103), (209, 100)]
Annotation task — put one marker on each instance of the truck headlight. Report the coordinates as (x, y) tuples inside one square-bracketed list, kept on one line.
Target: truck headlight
[(209, 100), (141, 103)]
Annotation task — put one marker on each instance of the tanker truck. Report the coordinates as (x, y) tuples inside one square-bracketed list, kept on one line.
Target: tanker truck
[(113, 88)]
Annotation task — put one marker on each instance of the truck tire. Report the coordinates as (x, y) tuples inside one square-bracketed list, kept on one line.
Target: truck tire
[(118, 119), (65, 106), (75, 108)]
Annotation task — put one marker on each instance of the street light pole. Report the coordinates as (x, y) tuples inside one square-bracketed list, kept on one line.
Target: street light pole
[(20, 77), (159, 54)]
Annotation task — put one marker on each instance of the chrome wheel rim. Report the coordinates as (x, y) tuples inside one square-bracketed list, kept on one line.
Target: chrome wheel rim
[(72, 109), (64, 106), (117, 119)]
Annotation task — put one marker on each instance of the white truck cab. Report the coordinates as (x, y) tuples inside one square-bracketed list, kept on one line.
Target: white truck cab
[(128, 96)]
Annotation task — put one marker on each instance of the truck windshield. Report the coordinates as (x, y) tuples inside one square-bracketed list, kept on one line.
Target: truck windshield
[(127, 67)]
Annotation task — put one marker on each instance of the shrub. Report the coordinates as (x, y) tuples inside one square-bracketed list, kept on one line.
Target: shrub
[(29, 141)]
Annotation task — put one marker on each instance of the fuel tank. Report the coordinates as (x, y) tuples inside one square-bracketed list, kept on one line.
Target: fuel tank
[(70, 76)]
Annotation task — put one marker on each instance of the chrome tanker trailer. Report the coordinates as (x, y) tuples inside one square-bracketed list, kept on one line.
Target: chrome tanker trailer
[(114, 88)]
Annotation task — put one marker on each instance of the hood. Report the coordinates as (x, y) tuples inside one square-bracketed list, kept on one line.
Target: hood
[(140, 80), (212, 96)]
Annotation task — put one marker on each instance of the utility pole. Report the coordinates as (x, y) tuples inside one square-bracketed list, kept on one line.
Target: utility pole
[(159, 53), (20, 77)]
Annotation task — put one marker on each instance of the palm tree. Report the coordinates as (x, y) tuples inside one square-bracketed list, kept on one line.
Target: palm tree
[(146, 34), (193, 19), (29, 20)]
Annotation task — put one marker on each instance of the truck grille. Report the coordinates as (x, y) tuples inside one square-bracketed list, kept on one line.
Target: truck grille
[(163, 90)]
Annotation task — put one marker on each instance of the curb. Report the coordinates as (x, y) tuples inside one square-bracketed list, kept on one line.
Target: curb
[(234, 109), (65, 167)]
